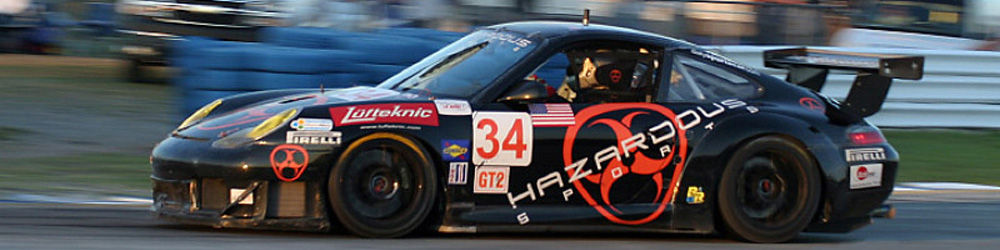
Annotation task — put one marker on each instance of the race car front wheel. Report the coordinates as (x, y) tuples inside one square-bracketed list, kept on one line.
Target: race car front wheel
[(383, 186), (769, 191)]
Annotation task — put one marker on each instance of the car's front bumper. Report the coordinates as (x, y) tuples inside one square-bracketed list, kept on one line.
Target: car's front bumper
[(213, 202), (196, 183)]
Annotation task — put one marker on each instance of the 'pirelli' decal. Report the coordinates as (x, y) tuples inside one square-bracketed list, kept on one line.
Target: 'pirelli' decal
[(865, 154)]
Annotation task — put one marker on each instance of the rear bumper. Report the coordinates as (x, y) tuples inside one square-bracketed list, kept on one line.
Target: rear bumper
[(845, 210)]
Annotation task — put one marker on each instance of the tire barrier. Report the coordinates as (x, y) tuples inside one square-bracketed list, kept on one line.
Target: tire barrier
[(297, 57), (389, 50), (376, 73), (307, 37), (280, 59), (208, 79)]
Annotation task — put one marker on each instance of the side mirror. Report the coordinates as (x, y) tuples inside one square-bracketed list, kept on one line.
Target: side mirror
[(526, 91)]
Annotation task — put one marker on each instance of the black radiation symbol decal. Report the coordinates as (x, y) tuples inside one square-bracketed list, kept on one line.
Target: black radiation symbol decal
[(289, 157), (639, 157)]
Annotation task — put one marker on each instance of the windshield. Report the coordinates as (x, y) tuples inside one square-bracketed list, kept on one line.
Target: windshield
[(940, 17), (464, 67)]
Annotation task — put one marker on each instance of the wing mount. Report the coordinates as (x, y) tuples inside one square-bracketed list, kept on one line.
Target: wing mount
[(809, 68)]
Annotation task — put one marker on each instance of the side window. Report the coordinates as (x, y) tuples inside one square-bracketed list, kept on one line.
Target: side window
[(600, 74), (693, 80)]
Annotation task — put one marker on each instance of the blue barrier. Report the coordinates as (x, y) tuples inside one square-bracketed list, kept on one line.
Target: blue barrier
[(376, 73), (390, 50), (258, 80), (282, 59), (208, 79), (299, 57), (429, 34), (342, 80), (204, 53)]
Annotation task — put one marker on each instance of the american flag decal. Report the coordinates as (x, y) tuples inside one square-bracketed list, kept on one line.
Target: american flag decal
[(551, 115)]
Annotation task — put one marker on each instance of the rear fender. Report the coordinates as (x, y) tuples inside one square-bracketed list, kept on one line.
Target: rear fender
[(709, 158)]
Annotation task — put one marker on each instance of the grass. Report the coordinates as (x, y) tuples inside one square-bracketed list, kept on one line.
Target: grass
[(105, 173), (8, 133), (947, 155)]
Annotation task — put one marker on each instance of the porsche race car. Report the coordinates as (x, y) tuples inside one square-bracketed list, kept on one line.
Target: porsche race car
[(631, 131)]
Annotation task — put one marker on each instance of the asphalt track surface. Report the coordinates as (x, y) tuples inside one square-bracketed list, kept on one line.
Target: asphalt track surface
[(925, 220)]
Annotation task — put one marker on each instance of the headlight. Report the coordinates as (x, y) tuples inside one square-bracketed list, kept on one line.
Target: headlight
[(200, 114), (271, 124)]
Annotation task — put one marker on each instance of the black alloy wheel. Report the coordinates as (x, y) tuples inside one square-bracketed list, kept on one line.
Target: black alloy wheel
[(384, 186), (769, 192)]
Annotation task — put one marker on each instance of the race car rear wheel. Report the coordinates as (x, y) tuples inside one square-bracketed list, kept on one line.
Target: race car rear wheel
[(383, 187), (769, 191)]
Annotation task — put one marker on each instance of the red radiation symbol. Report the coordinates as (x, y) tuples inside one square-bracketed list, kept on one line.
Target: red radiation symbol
[(616, 75), (862, 173), (812, 104), (634, 164), (289, 156)]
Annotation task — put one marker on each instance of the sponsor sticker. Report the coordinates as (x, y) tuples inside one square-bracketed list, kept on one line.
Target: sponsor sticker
[(453, 107), (866, 176), (311, 124), (313, 137), (491, 180), (865, 154), (457, 172), (289, 161), (234, 193), (551, 115), (390, 126), (455, 150), (695, 195), (715, 57), (502, 138), (400, 113)]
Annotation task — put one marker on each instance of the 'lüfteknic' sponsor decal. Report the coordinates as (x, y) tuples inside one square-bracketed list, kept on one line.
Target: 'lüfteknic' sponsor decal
[(399, 113)]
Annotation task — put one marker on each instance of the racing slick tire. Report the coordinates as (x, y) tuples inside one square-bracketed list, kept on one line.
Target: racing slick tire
[(384, 186), (769, 191)]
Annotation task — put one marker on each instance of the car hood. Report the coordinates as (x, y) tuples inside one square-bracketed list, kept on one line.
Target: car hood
[(339, 101)]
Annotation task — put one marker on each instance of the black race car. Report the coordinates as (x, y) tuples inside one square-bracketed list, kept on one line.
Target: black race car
[(636, 132)]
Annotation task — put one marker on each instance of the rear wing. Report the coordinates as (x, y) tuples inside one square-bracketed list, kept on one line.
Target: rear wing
[(809, 68)]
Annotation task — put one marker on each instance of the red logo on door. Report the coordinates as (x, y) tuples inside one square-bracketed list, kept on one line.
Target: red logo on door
[(641, 156), (289, 161)]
